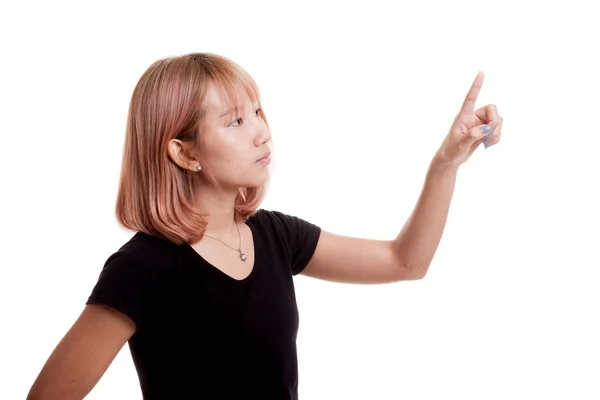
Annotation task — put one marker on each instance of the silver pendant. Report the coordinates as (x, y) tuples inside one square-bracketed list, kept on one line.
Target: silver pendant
[(242, 256)]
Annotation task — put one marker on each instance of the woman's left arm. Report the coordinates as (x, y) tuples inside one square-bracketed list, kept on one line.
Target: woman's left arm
[(408, 257), (355, 260)]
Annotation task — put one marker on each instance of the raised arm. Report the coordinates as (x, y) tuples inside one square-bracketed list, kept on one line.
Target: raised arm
[(83, 355), (408, 257)]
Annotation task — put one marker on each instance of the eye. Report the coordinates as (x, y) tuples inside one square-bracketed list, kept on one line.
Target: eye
[(257, 112), (238, 121)]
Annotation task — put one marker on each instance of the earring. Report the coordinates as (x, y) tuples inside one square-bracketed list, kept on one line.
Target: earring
[(198, 168)]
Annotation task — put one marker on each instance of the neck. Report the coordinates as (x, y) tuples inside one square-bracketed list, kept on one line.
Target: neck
[(218, 208)]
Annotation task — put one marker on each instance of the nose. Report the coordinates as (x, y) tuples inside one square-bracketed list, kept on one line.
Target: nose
[(263, 135)]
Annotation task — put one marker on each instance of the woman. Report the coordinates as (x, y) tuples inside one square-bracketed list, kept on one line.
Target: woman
[(203, 291)]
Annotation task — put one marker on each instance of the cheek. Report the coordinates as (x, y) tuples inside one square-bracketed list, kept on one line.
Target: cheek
[(227, 156), (223, 161)]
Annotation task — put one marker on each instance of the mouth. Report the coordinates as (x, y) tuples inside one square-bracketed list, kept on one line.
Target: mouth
[(265, 157)]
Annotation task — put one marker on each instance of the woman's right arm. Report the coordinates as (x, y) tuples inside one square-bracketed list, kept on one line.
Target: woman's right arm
[(83, 355)]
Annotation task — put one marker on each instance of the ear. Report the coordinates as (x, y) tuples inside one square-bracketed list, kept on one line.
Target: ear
[(181, 157)]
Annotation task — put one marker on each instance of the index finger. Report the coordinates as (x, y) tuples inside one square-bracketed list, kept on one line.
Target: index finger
[(469, 103)]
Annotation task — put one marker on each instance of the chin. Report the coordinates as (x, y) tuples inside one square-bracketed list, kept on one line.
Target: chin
[(255, 183), (259, 181)]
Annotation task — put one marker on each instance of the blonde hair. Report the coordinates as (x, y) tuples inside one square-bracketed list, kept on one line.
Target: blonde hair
[(155, 195)]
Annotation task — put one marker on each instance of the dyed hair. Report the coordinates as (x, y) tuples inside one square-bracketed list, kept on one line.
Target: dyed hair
[(155, 195)]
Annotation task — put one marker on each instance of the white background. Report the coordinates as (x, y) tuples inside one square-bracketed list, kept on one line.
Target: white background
[(359, 95)]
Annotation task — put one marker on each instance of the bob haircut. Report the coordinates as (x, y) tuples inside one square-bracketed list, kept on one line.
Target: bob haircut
[(155, 195)]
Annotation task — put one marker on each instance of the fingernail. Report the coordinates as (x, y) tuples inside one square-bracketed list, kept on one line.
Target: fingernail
[(486, 129), (486, 141), (486, 145)]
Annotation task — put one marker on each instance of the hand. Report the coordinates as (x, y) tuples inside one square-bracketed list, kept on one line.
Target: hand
[(470, 129)]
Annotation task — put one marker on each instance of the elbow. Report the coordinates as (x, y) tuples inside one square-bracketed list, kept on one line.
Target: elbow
[(421, 273), (409, 271), (415, 272)]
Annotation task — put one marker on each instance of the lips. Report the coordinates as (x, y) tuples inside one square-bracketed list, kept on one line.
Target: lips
[(265, 156)]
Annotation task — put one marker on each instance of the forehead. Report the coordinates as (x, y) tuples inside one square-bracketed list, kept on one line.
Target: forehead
[(220, 99)]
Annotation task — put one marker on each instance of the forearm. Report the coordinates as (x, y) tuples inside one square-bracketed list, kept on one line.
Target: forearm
[(418, 240)]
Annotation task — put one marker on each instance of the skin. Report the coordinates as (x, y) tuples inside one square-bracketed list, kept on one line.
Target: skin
[(408, 256), (232, 144), (83, 355), (231, 151)]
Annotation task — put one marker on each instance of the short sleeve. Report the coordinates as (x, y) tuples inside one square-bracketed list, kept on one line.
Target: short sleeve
[(300, 236), (124, 284)]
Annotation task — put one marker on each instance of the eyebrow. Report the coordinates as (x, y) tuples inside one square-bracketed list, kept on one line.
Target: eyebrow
[(229, 111)]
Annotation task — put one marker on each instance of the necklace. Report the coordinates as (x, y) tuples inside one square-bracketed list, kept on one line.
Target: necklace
[(239, 249)]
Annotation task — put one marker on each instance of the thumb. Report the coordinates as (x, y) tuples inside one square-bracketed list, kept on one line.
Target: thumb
[(480, 133)]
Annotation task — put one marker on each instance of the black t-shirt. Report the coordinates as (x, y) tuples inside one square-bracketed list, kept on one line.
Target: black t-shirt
[(201, 334)]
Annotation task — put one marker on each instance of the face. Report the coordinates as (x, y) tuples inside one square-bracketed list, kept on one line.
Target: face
[(234, 142)]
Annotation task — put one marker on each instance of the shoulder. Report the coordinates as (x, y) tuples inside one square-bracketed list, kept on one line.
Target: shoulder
[(139, 265), (141, 254), (143, 245), (267, 217), (132, 276), (289, 228), (296, 237), (277, 219)]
